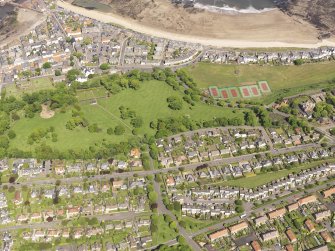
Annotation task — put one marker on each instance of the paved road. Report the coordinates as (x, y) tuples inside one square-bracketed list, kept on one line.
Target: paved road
[(57, 223), (164, 210), (224, 161), (122, 51)]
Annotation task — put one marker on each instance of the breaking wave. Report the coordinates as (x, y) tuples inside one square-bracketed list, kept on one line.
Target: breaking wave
[(231, 10)]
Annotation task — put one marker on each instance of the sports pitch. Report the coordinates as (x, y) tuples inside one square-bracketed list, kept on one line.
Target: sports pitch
[(247, 91)]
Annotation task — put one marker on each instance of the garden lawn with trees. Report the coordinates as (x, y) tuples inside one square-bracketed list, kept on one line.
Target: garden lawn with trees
[(135, 108)]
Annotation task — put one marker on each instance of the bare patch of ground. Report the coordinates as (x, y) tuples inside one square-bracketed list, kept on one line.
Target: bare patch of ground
[(46, 112)]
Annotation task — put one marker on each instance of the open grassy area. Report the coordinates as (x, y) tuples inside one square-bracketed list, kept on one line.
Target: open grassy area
[(149, 103), (33, 85), (193, 225), (164, 231), (295, 78), (263, 178)]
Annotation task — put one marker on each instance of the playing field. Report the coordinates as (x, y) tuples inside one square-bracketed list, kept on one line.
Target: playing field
[(245, 92), (234, 93), (149, 103), (214, 91), (278, 77)]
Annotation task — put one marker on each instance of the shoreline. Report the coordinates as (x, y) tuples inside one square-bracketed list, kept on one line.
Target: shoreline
[(231, 10), (131, 24)]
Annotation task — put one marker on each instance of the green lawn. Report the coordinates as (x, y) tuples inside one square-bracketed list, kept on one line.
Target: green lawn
[(33, 85), (149, 103), (193, 225), (164, 232), (295, 78), (263, 178)]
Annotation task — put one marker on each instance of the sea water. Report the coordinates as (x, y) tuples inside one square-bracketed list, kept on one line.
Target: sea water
[(236, 6)]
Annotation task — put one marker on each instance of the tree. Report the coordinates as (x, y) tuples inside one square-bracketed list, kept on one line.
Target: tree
[(134, 84), (110, 131), (72, 74), (175, 103), (176, 206), (94, 128), (250, 118), (238, 202), (87, 40), (104, 66), (119, 130), (298, 61), (46, 65), (58, 72), (136, 122), (239, 209), (4, 142), (11, 134), (4, 122), (173, 225), (152, 197)]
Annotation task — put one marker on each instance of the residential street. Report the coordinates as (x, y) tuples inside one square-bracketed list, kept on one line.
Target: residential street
[(162, 209), (223, 161), (267, 207)]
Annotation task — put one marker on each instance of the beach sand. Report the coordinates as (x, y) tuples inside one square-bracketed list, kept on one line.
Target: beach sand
[(267, 29)]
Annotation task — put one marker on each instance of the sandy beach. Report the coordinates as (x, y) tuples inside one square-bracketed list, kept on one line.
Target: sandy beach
[(263, 30)]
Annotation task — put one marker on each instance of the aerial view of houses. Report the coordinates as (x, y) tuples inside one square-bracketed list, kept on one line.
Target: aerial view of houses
[(111, 139)]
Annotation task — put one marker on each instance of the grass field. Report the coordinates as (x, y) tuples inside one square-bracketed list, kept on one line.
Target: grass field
[(164, 233), (149, 103), (295, 78), (193, 225), (263, 178), (34, 85)]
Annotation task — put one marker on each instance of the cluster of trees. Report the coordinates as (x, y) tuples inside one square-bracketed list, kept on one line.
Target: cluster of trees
[(77, 119), (152, 195), (127, 113), (10, 107), (263, 116), (39, 134), (250, 118), (61, 97), (322, 110), (116, 82), (169, 126), (299, 123), (175, 103), (239, 206), (118, 130)]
